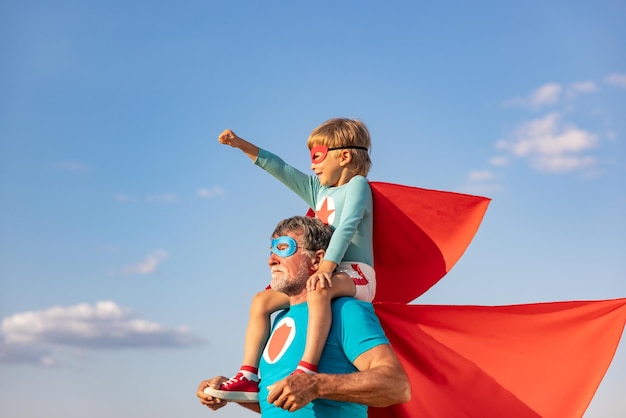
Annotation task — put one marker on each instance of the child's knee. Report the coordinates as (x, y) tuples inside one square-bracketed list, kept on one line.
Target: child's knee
[(266, 302), (260, 303)]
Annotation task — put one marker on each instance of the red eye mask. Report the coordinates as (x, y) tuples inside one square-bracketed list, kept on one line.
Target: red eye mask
[(319, 152)]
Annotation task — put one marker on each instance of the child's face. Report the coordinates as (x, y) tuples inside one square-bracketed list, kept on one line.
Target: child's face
[(326, 166), (319, 153)]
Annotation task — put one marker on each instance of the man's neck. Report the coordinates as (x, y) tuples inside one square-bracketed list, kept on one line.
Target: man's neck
[(299, 298)]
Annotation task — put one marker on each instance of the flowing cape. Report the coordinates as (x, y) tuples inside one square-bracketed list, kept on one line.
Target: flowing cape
[(535, 360), (419, 235)]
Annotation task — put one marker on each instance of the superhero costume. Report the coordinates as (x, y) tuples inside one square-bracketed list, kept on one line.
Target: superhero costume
[(355, 329)]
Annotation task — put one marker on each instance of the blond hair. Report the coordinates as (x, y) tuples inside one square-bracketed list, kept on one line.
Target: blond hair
[(342, 132)]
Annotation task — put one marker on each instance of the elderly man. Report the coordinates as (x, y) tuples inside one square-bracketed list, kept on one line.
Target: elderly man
[(358, 366)]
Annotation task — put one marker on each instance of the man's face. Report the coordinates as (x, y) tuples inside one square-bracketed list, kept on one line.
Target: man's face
[(289, 274)]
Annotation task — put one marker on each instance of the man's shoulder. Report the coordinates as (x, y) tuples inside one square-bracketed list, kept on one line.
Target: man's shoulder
[(342, 300), (346, 303), (355, 327)]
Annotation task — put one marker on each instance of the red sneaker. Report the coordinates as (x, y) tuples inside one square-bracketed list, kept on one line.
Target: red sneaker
[(237, 389)]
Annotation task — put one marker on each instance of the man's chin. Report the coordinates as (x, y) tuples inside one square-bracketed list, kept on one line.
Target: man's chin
[(275, 283)]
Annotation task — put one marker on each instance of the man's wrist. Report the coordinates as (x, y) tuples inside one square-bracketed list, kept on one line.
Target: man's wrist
[(321, 386)]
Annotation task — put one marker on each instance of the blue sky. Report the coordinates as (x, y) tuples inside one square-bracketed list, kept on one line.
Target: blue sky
[(131, 241)]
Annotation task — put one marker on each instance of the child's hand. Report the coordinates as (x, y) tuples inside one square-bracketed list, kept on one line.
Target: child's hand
[(321, 278), (228, 137)]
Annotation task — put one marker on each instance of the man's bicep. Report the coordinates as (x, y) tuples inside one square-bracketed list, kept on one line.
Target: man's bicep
[(381, 355)]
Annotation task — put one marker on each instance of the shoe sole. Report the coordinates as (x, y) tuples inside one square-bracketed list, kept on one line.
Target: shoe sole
[(239, 397)]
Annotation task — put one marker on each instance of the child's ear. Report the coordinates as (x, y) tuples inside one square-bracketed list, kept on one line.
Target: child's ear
[(345, 157)]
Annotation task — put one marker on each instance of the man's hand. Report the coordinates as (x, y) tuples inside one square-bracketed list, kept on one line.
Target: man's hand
[(208, 400), (293, 392)]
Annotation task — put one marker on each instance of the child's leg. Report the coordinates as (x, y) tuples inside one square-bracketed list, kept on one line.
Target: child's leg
[(244, 385), (320, 318), (257, 332)]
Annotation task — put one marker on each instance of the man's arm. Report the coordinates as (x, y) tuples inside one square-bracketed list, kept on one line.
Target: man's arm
[(381, 381), (216, 403)]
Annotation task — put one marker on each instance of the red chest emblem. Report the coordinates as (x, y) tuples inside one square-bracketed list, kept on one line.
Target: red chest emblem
[(326, 211), (280, 340)]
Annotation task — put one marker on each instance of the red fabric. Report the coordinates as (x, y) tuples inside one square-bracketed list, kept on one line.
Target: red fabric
[(536, 360), (419, 235)]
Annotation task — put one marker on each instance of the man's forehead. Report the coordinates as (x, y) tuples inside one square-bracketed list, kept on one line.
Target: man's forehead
[(292, 234)]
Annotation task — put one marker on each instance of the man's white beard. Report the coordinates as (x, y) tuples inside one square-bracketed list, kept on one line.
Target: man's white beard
[(285, 283)]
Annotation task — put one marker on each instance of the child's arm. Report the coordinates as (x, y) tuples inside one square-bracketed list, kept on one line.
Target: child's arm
[(228, 137), (351, 239), (302, 184)]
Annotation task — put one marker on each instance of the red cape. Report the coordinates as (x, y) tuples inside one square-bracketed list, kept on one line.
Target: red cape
[(537, 360), (419, 235)]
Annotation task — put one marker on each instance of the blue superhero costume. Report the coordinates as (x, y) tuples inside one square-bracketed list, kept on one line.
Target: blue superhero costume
[(355, 330)]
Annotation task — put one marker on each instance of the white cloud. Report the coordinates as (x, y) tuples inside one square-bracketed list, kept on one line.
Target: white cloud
[(617, 80), (209, 193), (36, 337), (481, 182), (482, 175), (25, 354), (550, 145), (149, 264), (545, 95), (562, 163), (552, 94), (581, 87)]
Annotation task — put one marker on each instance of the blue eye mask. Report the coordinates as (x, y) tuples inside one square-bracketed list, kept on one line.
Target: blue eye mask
[(284, 246)]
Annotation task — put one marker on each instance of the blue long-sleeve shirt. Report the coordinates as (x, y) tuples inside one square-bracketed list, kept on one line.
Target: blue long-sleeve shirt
[(347, 208)]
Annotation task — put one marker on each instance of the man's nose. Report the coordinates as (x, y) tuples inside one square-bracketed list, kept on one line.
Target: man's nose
[(273, 259)]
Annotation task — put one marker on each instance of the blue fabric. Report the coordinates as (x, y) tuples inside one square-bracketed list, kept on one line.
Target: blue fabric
[(292, 246), (355, 329)]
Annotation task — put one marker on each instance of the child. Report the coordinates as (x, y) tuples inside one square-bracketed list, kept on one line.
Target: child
[(342, 198)]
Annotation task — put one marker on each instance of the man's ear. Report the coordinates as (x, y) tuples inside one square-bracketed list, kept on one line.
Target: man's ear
[(317, 260)]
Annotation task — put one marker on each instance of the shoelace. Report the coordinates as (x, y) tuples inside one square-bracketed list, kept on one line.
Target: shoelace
[(237, 378)]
